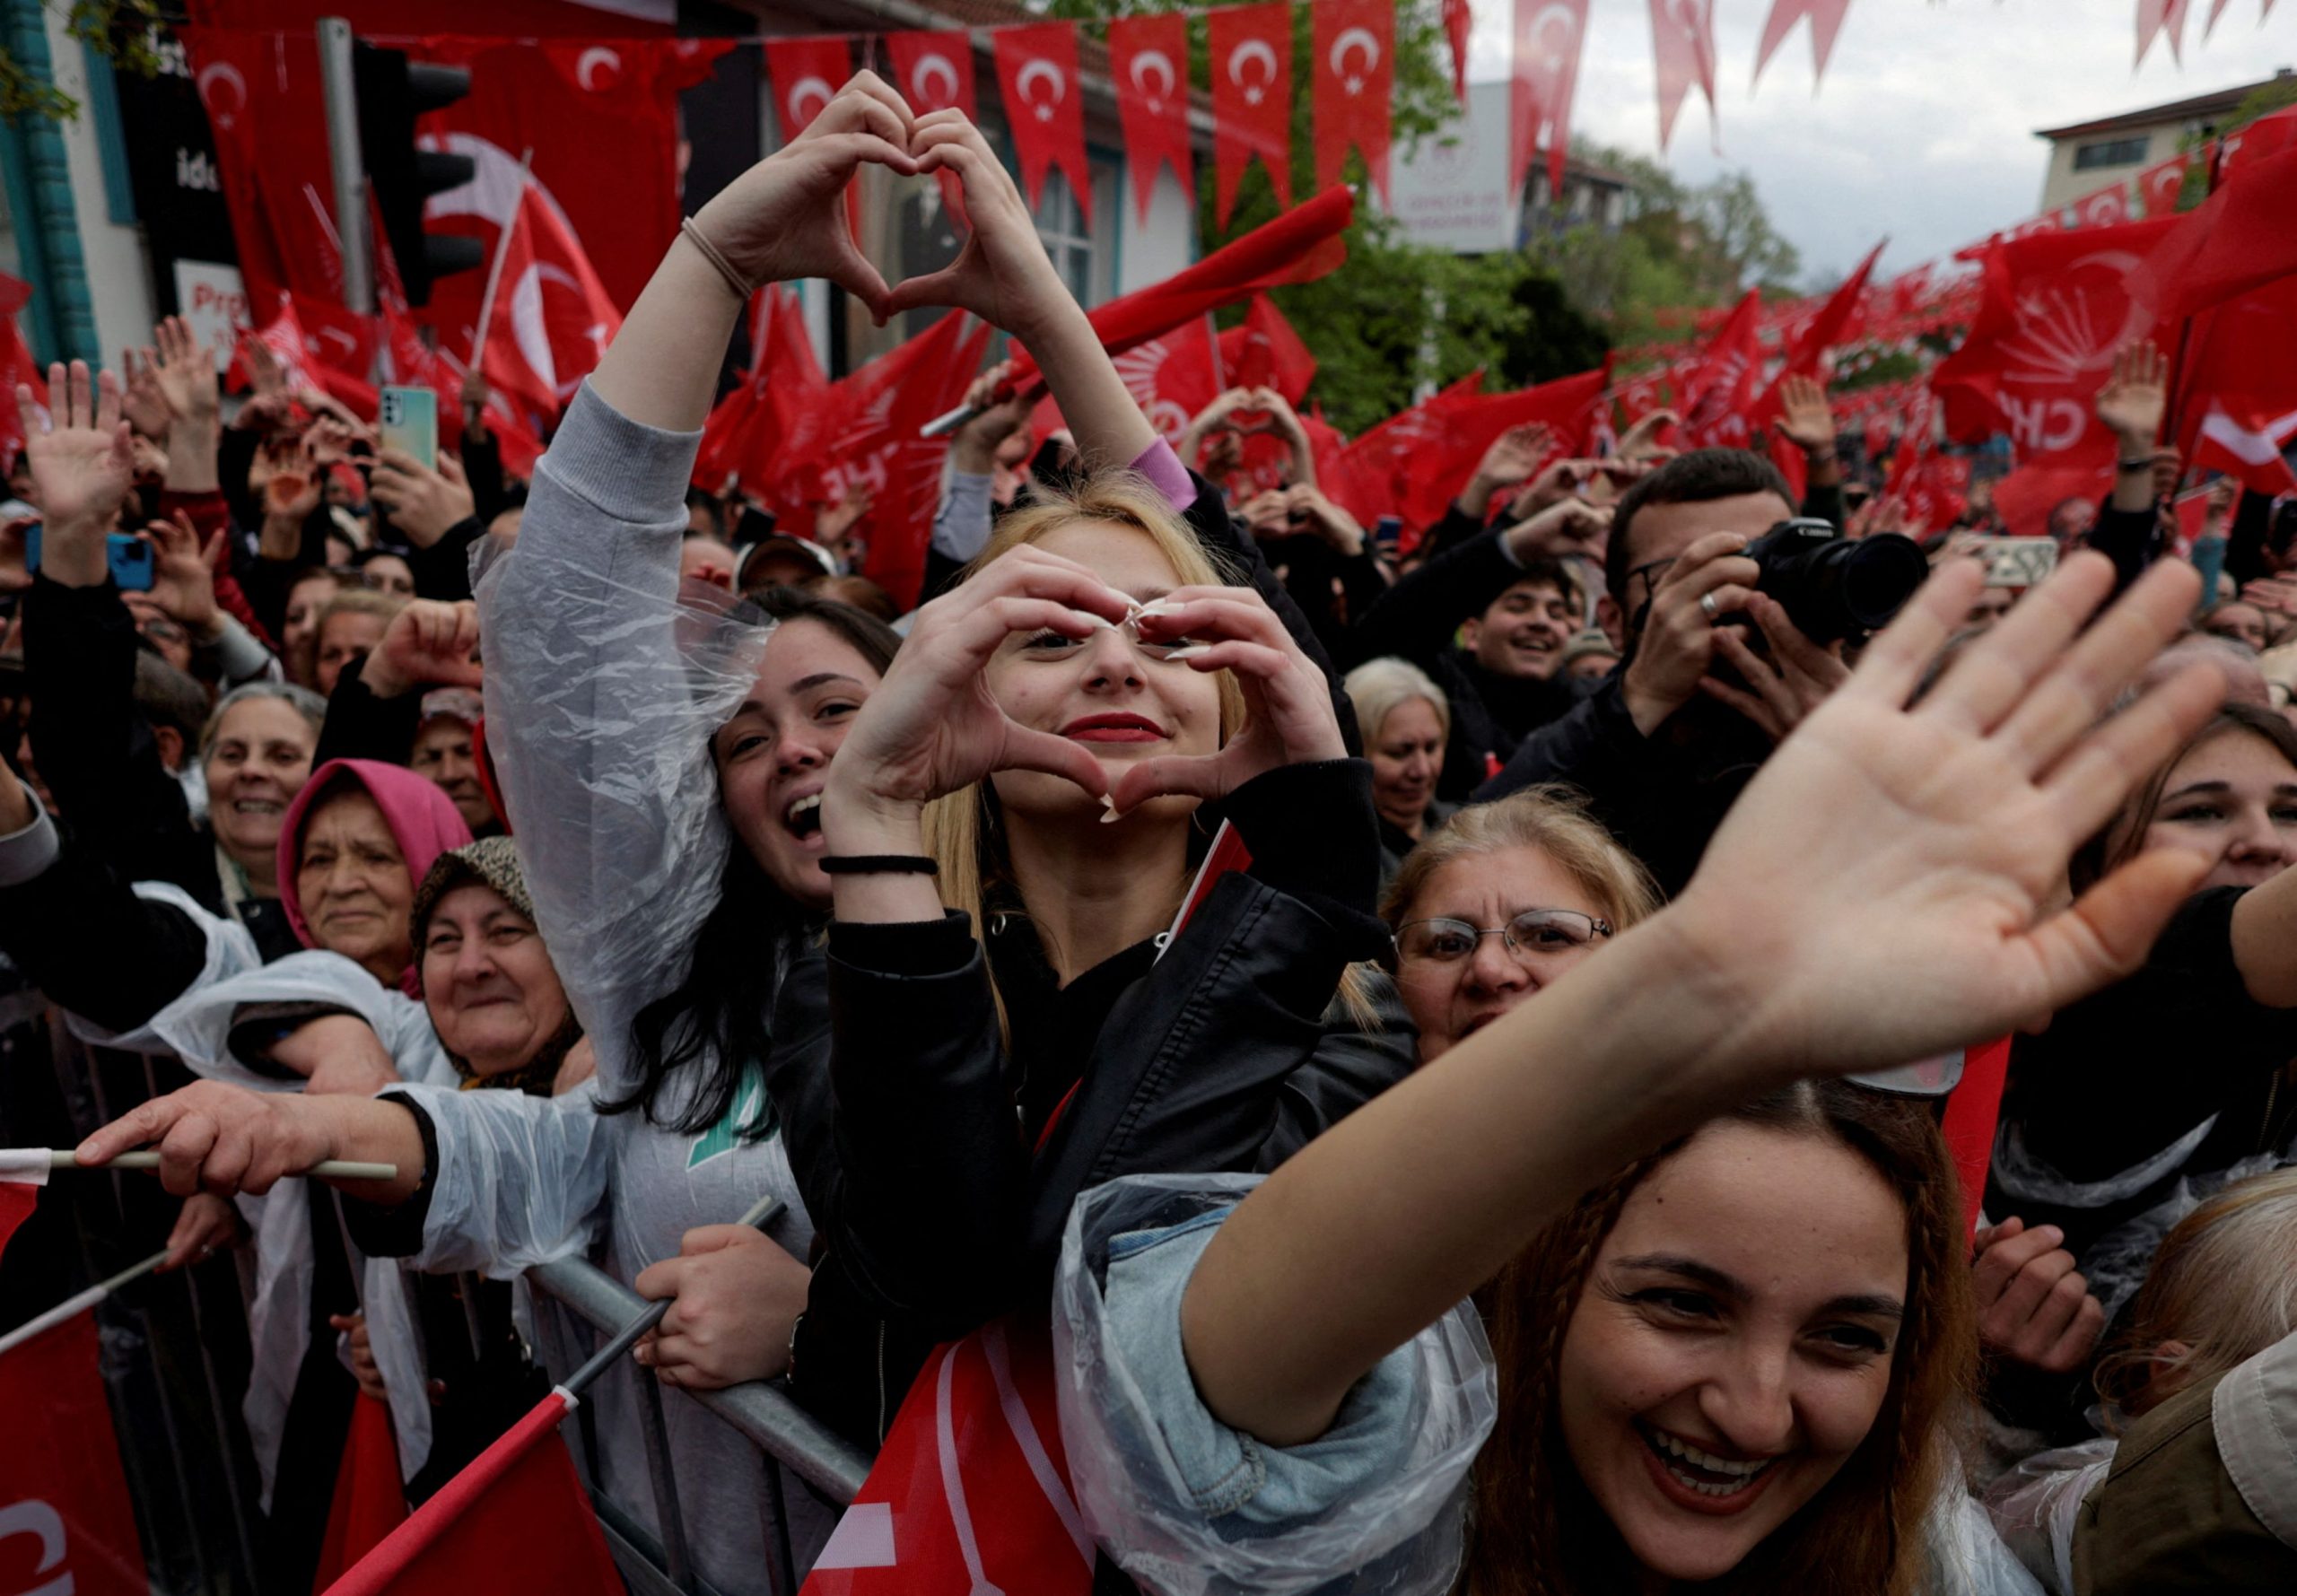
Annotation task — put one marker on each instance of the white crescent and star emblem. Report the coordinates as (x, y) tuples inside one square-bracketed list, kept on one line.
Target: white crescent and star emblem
[(804, 90), (928, 71), (596, 55), (222, 72), (1155, 64), (1253, 50), (1030, 73), (1351, 40)]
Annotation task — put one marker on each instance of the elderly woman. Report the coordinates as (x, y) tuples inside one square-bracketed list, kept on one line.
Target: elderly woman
[(1405, 721)]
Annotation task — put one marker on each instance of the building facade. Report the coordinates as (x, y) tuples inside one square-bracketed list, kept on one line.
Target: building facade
[(2087, 156)]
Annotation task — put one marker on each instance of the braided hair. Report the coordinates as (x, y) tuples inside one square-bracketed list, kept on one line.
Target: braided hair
[(1539, 1531)]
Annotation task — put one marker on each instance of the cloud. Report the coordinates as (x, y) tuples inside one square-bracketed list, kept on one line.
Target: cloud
[(1924, 129)]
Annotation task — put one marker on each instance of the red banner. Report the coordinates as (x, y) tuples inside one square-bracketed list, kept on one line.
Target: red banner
[(2246, 146), (2056, 309), (515, 1522), (1826, 21), (1266, 352), (1174, 376), (1354, 80), (1682, 44), (369, 1501), (1036, 69), (777, 408), (806, 75), (1148, 64), (1548, 37), (66, 1519), (1251, 99)]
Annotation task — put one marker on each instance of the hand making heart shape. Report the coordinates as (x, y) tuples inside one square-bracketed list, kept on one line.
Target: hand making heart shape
[(785, 218)]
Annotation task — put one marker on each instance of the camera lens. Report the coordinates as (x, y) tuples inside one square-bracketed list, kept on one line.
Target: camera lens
[(1878, 575)]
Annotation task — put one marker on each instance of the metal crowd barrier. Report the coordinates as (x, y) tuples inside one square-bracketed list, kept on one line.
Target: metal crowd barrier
[(786, 1433)]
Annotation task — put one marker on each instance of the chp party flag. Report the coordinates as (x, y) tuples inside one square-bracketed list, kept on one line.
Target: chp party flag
[(1251, 99), (1548, 37), (66, 1523), (806, 75), (514, 1522), (1716, 396), (1148, 64), (1036, 72), (1355, 78), (1174, 376)]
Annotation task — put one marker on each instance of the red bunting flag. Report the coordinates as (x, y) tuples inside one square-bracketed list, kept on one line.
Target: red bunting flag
[(2103, 207), (23, 1171), (514, 1522), (1251, 99), (933, 70), (1682, 43), (1354, 79), (1459, 22), (1550, 35), (2155, 17), (1036, 69), (2216, 7), (2161, 184), (1148, 64), (66, 1523), (2056, 308), (1826, 21), (806, 75)]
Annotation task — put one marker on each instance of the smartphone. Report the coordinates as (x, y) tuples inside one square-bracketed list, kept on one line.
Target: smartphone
[(2015, 562), (130, 559), (407, 418), (1387, 532)]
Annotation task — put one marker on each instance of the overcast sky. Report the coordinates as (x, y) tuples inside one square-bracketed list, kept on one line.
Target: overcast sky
[(1923, 127)]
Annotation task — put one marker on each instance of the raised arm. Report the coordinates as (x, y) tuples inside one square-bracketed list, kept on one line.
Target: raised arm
[(1881, 893)]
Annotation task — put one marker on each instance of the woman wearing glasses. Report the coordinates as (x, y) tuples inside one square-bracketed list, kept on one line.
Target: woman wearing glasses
[(1501, 901)]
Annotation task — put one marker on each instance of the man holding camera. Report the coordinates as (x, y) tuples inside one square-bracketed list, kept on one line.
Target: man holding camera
[(1666, 743)]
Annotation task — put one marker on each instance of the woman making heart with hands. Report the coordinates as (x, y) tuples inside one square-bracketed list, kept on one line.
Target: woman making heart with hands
[(1010, 826)]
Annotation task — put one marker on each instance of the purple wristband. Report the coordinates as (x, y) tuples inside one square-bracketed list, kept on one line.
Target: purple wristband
[(1167, 475)]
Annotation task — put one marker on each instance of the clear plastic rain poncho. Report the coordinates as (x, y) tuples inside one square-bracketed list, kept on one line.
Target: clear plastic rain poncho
[(1383, 1511)]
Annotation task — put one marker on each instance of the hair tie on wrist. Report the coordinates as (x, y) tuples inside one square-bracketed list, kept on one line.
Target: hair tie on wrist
[(879, 864), (710, 252)]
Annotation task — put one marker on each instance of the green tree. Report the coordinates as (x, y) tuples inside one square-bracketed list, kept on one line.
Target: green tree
[(119, 30)]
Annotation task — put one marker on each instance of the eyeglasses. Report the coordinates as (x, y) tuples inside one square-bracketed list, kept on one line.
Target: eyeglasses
[(1650, 570), (1531, 934)]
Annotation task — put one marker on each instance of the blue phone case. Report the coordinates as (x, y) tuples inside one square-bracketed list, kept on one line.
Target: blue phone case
[(130, 559)]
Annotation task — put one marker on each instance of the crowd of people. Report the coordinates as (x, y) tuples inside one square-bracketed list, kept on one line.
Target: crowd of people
[(602, 878)]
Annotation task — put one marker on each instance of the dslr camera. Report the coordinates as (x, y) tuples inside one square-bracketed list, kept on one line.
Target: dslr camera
[(1832, 587)]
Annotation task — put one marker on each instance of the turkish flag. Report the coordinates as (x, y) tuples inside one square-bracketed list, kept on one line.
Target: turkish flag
[(1355, 77), (1826, 21), (1251, 99), (771, 407), (1303, 244), (261, 93), (2161, 184), (2247, 444), (1683, 44), (553, 318), (2161, 16), (515, 1522), (2103, 207), (870, 436), (1174, 376), (1036, 70), (2244, 147), (1550, 35), (806, 75), (1148, 64), (1266, 352), (2238, 390), (2056, 308), (970, 1492), (1935, 492), (2238, 238), (320, 345), (1718, 395), (933, 70), (369, 1501), (1973, 1109), (66, 1519)]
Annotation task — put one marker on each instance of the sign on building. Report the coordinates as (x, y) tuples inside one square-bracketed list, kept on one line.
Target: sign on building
[(1456, 197)]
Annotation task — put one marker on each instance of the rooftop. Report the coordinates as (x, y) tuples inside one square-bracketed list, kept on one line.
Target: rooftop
[(2201, 108)]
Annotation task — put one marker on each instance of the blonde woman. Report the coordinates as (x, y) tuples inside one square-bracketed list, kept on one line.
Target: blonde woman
[(1406, 721)]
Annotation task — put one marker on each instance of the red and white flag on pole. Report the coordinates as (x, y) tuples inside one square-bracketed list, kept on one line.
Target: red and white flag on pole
[(1550, 35), (515, 1522), (1148, 64), (1682, 43), (1355, 78), (552, 318), (1251, 99)]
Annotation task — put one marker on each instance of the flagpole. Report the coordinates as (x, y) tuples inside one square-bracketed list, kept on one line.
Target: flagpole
[(494, 272), (81, 1303), (759, 1217), (326, 1169)]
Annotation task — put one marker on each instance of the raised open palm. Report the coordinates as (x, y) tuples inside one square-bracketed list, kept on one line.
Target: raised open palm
[(1890, 880), (83, 462)]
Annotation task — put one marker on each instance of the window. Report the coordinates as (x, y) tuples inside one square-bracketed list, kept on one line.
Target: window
[(1085, 258), (2119, 152)]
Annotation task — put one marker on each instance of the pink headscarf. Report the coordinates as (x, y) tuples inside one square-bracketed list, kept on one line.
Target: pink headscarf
[(423, 820)]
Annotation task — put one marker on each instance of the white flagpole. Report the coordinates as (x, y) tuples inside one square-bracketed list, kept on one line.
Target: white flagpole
[(494, 272), (78, 1305), (326, 1169)]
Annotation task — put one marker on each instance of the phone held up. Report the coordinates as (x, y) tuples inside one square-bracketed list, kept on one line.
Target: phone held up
[(130, 559)]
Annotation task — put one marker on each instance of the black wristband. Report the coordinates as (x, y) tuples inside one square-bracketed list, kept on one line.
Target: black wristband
[(879, 864)]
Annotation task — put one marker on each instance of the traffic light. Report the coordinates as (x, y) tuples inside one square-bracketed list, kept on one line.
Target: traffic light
[(393, 92)]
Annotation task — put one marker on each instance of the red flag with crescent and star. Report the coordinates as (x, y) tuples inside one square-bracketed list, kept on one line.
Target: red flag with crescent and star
[(1355, 78), (1148, 64), (1251, 99), (1549, 34), (1036, 70)]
